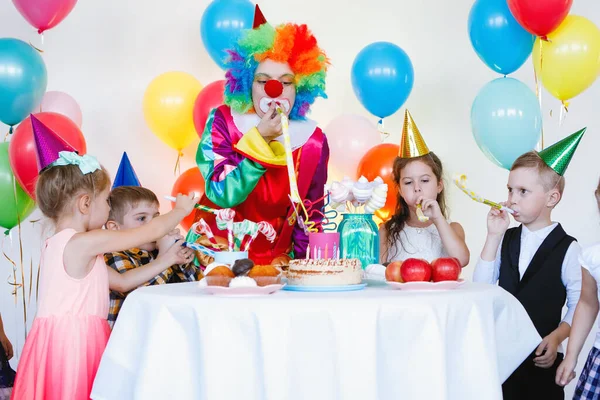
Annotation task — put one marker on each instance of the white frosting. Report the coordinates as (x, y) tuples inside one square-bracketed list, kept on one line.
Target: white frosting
[(331, 272), (242, 281)]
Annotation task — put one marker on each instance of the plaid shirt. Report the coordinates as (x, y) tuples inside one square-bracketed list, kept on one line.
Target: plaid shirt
[(124, 261)]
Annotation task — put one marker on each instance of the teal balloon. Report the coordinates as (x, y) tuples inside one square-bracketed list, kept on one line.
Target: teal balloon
[(16, 203), (506, 120), (23, 80)]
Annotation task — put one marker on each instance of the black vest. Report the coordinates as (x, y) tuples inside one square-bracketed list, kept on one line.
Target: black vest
[(541, 291)]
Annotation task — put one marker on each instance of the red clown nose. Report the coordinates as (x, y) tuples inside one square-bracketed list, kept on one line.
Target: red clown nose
[(273, 88)]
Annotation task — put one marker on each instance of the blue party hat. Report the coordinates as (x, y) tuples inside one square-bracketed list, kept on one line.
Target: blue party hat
[(126, 175)]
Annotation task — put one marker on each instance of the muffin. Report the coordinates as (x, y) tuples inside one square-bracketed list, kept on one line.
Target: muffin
[(265, 275), (219, 276)]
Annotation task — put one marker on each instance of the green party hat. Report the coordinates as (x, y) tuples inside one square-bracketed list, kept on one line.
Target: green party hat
[(558, 156)]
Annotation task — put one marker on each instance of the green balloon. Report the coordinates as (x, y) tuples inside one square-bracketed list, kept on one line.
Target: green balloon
[(11, 211)]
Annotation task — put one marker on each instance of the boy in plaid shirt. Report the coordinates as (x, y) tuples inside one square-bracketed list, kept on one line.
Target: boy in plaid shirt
[(130, 207)]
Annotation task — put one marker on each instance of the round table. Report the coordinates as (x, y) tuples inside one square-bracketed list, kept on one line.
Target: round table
[(175, 342)]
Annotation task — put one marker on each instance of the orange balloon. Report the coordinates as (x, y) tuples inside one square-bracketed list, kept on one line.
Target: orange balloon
[(191, 181), (379, 161)]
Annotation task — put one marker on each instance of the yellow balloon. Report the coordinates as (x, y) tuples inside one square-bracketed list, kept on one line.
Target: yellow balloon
[(168, 108), (570, 60)]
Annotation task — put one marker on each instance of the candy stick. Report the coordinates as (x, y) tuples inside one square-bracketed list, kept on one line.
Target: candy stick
[(202, 227), (198, 206), (287, 144), (224, 220), (461, 181), (267, 229), (252, 232), (422, 217)]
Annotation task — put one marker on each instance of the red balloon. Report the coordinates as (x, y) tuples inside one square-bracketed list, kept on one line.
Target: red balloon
[(379, 161), (188, 182), (540, 17), (211, 96), (46, 14), (22, 150)]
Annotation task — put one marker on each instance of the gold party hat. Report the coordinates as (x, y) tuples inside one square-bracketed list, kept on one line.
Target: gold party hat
[(412, 144)]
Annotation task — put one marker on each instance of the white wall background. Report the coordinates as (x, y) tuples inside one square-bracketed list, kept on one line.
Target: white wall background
[(106, 52)]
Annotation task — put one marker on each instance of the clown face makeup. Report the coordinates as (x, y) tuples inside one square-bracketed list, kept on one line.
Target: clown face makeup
[(269, 70)]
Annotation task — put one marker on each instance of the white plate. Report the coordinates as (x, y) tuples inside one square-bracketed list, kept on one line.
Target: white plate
[(242, 291), (444, 285)]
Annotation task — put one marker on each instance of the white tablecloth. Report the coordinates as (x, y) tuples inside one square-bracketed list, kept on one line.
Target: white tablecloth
[(174, 342)]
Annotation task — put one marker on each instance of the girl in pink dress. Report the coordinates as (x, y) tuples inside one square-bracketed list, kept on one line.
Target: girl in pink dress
[(70, 331)]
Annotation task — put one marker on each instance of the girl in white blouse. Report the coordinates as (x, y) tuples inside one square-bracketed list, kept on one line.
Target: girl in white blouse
[(588, 386)]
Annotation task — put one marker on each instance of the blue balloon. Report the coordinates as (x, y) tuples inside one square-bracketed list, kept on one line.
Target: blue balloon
[(382, 78), (23, 80), (498, 39), (221, 25), (506, 120)]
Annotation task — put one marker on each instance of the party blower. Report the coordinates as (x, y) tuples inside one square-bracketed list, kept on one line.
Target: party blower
[(461, 181), (198, 206), (274, 89)]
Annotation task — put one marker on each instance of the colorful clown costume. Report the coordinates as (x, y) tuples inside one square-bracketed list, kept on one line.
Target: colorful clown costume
[(247, 172)]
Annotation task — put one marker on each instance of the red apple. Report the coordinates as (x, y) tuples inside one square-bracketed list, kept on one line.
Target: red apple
[(392, 272), (445, 269), (415, 270)]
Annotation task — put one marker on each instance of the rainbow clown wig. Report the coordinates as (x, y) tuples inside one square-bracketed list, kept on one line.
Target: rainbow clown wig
[(286, 43)]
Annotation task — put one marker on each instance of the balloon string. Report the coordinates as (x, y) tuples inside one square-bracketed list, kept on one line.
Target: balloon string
[(37, 48), (20, 254), (538, 93), (177, 169), (563, 112), (14, 283), (381, 129)]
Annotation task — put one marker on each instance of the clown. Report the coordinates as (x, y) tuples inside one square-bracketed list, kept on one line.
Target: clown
[(241, 154)]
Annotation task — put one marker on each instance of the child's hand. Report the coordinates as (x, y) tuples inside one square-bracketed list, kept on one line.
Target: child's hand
[(177, 255), (430, 208), (166, 242), (497, 221), (186, 203), (546, 359), (7, 345), (269, 126), (566, 371)]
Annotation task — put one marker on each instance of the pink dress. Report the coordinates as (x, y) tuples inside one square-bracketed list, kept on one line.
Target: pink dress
[(69, 334)]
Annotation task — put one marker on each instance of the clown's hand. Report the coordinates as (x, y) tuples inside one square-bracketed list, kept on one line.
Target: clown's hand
[(269, 126)]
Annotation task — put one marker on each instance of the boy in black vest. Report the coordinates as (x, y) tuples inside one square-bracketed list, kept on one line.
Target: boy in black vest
[(537, 263)]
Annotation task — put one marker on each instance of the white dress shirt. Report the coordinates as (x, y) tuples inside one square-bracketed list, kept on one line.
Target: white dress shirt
[(489, 271)]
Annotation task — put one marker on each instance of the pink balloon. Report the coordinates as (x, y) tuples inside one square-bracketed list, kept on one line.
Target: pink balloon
[(45, 14), (62, 103), (350, 137)]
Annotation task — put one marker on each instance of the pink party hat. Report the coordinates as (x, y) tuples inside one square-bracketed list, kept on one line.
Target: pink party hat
[(48, 144)]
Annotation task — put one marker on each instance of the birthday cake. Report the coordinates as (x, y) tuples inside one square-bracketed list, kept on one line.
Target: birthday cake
[(324, 272)]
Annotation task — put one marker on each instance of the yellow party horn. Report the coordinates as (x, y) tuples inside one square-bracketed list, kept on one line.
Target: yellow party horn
[(422, 217), (461, 181), (287, 144)]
